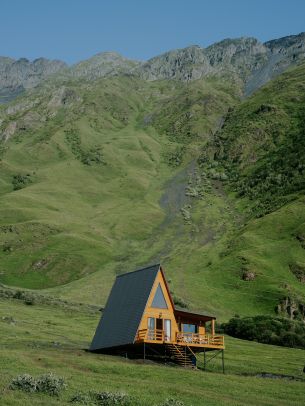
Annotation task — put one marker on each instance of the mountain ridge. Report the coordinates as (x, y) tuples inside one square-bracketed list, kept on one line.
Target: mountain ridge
[(245, 58)]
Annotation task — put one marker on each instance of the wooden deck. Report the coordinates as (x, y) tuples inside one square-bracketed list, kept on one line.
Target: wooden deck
[(190, 339)]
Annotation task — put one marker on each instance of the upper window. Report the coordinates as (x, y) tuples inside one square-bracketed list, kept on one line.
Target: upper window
[(159, 300)]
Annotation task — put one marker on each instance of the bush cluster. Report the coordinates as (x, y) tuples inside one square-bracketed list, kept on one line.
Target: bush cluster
[(89, 156), (174, 158), (21, 181), (49, 383), (115, 398), (172, 402), (268, 330), (24, 382), (82, 398), (103, 399)]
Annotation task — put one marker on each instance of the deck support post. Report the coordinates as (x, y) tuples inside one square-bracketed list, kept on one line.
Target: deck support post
[(223, 361), (144, 355), (204, 360), (213, 327)]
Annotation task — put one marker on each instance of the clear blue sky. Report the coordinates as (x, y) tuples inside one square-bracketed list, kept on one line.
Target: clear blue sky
[(73, 30)]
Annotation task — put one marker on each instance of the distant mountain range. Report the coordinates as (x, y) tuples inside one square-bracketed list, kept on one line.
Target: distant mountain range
[(246, 59)]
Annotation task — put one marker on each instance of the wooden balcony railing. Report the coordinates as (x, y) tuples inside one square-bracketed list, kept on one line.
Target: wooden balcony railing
[(151, 335), (201, 339), (181, 338)]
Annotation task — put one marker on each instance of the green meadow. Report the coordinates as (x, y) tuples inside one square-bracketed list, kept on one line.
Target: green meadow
[(39, 338)]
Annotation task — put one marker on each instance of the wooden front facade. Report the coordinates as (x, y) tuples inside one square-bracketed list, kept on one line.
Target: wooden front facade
[(161, 323)]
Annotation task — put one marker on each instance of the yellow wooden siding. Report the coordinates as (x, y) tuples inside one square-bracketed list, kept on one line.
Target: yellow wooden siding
[(157, 312), (201, 339)]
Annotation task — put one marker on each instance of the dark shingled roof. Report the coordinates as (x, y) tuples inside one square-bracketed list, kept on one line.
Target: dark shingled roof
[(124, 309)]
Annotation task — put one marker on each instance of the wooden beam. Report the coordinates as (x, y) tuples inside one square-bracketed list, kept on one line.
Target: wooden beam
[(213, 327)]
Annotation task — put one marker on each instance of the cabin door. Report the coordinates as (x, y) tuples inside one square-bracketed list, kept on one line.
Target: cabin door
[(159, 329), (159, 324)]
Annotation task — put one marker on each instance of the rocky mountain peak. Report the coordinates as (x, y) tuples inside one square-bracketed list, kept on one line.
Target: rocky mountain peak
[(182, 64), (294, 41), (103, 64), (21, 74)]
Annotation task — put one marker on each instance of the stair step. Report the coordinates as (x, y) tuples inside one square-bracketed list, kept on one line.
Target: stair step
[(181, 354)]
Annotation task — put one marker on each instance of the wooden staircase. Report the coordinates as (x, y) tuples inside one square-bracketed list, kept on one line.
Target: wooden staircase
[(181, 354)]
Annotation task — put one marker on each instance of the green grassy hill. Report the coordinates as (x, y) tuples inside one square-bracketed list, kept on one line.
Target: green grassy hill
[(99, 178), (88, 179)]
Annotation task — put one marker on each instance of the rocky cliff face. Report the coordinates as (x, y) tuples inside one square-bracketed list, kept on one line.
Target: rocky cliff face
[(281, 54), (183, 64), (21, 74), (229, 56), (245, 59)]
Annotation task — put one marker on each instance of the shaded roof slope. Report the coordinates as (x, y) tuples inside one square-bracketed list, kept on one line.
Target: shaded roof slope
[(124, 309)]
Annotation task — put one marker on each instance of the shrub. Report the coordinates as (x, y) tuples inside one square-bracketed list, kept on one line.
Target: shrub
[(92, 156), (24, 382), (174, 158), (82, 398), (50, 384), (20, 181), (47, 383), (172, 402), (88, 157), (103, 399), (111, 398)]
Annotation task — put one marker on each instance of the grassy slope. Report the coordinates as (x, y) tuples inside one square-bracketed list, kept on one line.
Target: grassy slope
[(51, 339), (261, 149), (91, 222), (261, 144), (76, 226)]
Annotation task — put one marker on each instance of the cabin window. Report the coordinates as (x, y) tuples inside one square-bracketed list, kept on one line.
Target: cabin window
[(151, 328), (189, 328), (151, 323), (167, 329), (159, 299)]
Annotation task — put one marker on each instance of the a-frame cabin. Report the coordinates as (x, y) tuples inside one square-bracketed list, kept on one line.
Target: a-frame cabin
[(140, 319)]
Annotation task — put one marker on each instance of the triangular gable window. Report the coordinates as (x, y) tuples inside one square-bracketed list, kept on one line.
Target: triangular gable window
[(159, 300)]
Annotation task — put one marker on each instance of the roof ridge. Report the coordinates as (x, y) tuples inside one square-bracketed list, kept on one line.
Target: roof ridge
[(139, 270)]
